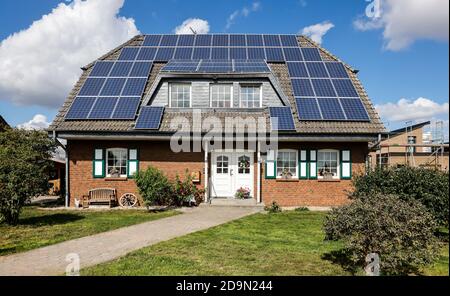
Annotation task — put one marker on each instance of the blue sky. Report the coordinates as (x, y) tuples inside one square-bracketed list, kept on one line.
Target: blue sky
[(418, 70)]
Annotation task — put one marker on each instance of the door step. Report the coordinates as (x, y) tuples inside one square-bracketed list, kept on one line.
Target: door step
[(230, 202)]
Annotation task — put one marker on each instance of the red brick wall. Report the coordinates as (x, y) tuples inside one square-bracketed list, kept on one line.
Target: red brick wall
[(314, 192), (158, 154)]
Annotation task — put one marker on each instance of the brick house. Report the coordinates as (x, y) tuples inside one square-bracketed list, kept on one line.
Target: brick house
[(182, 102)]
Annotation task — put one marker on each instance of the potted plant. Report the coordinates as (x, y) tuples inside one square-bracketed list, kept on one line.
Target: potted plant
[(243, 193), (286, 174)]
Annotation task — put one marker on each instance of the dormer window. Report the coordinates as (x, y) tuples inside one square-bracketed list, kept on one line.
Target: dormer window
[(250, 96), (180, 95), (221, 95)]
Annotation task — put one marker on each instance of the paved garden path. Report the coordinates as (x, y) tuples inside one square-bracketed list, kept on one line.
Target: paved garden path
[(106, 246)]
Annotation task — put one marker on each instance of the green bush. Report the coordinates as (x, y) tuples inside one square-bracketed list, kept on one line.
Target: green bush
[(24, 169), (185, 191), (154, 187), (273, 208), (400, 232), (429, 187)]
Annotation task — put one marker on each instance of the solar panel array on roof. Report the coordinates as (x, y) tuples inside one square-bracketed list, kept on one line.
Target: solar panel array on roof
[(216, 66), (281, 119), (149, 118)]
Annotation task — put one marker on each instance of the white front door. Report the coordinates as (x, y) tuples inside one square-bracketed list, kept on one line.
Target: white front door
[(231, 171)]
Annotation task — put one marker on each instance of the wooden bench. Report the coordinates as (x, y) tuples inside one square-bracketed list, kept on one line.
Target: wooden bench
[(100, 196)]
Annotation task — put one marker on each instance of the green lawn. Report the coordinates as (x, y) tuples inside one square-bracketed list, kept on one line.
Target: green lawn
[(290, 243), (39, 228)]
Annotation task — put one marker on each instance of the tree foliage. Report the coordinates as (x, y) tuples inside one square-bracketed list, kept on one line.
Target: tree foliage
[(400, 232), (24, 166), (429, 187)]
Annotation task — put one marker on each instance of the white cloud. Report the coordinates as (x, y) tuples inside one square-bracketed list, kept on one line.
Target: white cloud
[(406, 21), (40, 64), (417, 110), (243, 12), (38, 122), (198, 25), (317, 31)]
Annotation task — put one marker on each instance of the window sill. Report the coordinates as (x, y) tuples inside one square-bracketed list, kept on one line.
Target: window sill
[(288, 180), (116, 179), (329, 180)]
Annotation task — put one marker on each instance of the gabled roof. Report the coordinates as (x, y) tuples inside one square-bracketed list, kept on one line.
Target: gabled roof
[(279, 79), (409, 128)]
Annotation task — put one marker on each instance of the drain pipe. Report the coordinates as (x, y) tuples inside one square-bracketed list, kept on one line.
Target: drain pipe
[(66, 178), (258, 172)]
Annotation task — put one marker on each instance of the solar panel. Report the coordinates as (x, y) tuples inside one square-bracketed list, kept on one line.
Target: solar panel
[(80, 108), (92, 87), (289, 40), (113, 87), (186, 40), (323, 88), (128, 53), (126, 108), (141, 69), (317, 70), (302, 88), (152, 40), (103, 108), (181, 66), (101, 69), (274, 54), (354, 109), (121, 69), (147, 54), (345, 88), (203, 40), (308, 109), (219, 53), (272, 40), (224, 66), (201, 53), (284, 117), (237, 40), (134, 87), (311, 54), (238, 53), (169, 40), (293, 54), (251, 66), (183, 53), (164, 54), (256, 53), (149, 117), (255, 40), (336, 70), (220, 40), (297, 69), (331, 109)]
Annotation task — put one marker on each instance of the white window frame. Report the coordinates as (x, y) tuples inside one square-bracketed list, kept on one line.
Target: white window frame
[(338, 163), (180, 83), (211, 94), (296, 162), (254, 86), (108, 175)]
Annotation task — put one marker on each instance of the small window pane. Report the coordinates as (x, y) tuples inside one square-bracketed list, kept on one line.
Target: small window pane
[(221, 96), (250, 97), (180, 95)]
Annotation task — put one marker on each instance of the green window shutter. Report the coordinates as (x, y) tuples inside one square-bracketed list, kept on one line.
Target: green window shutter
[(98, 164), (313, 164), (346, 164), (303, 164), (271, 165), (133, 162)]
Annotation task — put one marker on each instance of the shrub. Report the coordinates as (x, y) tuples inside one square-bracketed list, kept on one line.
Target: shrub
[(273, 208), (185, 191), (24, 166), (429, 187), (154, 187), (302, 209), (400, 232), (243, 193)]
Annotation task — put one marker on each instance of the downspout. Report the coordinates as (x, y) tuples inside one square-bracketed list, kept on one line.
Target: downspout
[(206, 174), (66, 180), (258, 172)]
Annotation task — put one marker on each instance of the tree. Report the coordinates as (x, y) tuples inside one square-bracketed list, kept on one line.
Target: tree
[(400, 232), (154, 187), (24, 166)]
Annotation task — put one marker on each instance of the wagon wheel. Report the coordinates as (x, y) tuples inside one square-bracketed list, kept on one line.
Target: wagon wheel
[(128, 200)]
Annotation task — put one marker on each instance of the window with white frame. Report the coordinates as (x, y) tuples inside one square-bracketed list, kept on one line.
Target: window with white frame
[(116, 162), (221, 95), (250, 96), (328, 164), (287, 163), (180, 95)]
